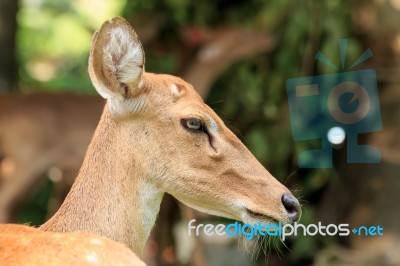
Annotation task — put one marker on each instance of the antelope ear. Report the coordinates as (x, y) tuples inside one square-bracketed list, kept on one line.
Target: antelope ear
[(116, 62)]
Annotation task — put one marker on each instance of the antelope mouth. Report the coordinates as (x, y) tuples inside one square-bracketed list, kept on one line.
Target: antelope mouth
[(261, 217)]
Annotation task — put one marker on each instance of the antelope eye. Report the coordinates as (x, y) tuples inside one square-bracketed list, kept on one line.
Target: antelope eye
[(193, 124)]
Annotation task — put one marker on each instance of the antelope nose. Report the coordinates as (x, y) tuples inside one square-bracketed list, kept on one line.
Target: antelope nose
[(292, 207)]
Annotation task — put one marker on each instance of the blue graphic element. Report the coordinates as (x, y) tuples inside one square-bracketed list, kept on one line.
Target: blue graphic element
[(343, 48), (367, 54), (348, 100), (322, 58)]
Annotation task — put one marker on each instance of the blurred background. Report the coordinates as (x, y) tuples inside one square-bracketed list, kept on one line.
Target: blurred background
[(238, 55)]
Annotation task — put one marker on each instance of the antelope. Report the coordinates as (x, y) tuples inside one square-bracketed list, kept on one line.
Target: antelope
[(49, 132), (155, 136)]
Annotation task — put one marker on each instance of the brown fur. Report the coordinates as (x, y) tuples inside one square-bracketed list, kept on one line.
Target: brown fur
[(66, 249)]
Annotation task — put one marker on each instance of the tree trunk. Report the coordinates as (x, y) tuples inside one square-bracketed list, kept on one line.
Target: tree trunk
[(8, 28)]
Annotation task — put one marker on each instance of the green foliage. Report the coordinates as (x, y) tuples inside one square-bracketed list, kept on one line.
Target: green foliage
[(254, 94), (34, 210), (54, 40)]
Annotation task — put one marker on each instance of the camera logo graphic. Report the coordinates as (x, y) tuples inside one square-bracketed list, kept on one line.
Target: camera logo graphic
[(334, 107)]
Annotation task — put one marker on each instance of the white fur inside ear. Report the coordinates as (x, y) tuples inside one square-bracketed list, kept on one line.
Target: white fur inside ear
[(123, 56)]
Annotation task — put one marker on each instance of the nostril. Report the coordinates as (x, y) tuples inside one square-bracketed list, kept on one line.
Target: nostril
[(292, 206)]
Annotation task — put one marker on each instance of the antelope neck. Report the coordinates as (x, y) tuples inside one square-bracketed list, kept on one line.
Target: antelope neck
[(110, 196)]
